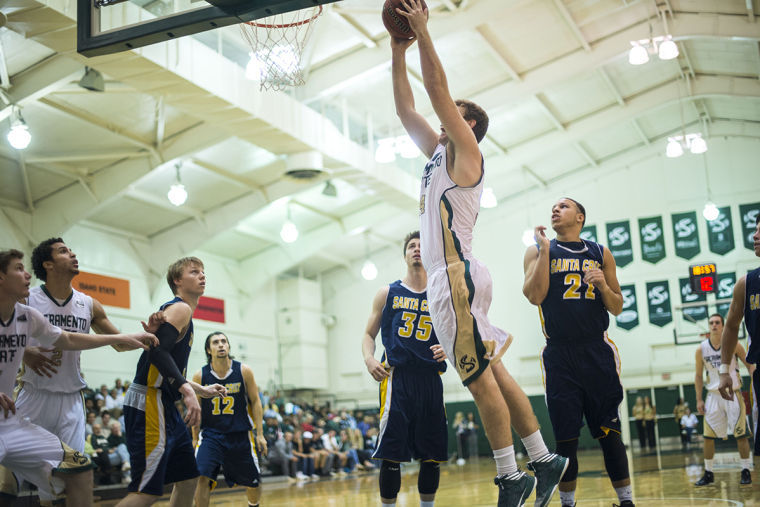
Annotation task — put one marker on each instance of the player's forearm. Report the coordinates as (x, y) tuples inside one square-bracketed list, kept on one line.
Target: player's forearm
[(728, 341), (613, 301), (433, 75), (79, 341), (698, 387), (402, 90), (536, 284), (368, 347), (258, 416)]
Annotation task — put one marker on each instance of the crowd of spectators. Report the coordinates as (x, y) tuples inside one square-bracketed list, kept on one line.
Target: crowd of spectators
[(305, 441)]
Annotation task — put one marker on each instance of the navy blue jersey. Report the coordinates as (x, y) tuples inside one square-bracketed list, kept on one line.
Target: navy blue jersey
[(147, 373), (230, 413), (573, 310), (752, 315), (407, 330)]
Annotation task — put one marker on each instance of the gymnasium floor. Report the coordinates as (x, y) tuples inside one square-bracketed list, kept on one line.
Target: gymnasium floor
[(665, 480)]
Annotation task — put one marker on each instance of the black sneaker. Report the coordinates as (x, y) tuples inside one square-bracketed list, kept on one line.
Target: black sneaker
[(513, 492), (706, 479), (548, 471), (625, 503), (746, 477)]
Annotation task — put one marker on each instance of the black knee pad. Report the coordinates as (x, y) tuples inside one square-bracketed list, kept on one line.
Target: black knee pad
[(390, 479), (569, 449), (615, 458), (430, 474)]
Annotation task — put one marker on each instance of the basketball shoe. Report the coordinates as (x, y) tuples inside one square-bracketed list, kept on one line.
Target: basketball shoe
[(548, 471), (514, 489)]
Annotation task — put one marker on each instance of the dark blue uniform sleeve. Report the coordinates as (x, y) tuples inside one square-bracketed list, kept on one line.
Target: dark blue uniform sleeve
[(161, 358)]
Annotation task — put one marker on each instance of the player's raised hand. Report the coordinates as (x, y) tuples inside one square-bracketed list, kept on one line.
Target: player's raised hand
[(7, 404), (415, 14), (438, 353), (261, 445), (212, 391), (39, 362), (193, 415), (154, 322), (539, 234), (596, 278), (726, 388), (376, 369)]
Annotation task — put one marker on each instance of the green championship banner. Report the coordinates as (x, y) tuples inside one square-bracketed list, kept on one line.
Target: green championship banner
[(658, 300), (726, 282), (748, 214), (685, 234), (720, 233), (652, 239), (619, 242), (629, 317), (589, 233), (692, 314)]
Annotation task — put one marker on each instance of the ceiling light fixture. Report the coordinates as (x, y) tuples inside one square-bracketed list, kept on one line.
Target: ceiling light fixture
[(19, 136), (369, 270), (692, 142), (488, 198), (92, 80), (177, 194), (664, 47), (289, 231)]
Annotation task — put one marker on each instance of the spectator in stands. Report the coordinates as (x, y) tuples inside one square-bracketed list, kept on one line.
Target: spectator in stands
[(333, 447), (90, 420), (282, 455), (100, 447), (689, 423), (119, 386), (305, 455), (102, 394), (105, 422), (117, 450), (114, 400)]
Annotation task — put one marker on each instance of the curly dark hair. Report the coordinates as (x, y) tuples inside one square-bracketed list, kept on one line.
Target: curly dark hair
[(42, 253), (472, 111), (412, 235)]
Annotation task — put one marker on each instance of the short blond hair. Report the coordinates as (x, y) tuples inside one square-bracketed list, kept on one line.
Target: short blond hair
[(175, 270)]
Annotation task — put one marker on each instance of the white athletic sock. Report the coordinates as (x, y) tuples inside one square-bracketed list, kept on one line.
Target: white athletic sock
[(535, 446), (708, 465), (505, 461), (746, 463), (624, 493), (423, 503), (567, 497)]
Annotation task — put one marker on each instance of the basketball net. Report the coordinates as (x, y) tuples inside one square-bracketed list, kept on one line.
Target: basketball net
[(277, 46)]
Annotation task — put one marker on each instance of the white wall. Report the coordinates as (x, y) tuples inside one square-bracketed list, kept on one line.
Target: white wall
[(651, 186)]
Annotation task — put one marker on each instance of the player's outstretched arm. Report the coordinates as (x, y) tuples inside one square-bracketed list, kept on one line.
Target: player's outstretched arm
[(79, 341), (698, 380), (536, 268), (606, 281), (730, 337), (415, 124), (467, 169), (256, 409), (374, 367)]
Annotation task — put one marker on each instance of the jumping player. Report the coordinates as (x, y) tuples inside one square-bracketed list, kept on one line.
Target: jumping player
[(28, 450), (412, 413), (721, 416), (744, 303), (159, 444), (574, 284), (459, 286), (227, 437)]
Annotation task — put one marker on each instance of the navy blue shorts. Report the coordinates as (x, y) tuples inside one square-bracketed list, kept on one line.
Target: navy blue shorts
[(412, 416), (233, 452), (158, 453), (582, 379)]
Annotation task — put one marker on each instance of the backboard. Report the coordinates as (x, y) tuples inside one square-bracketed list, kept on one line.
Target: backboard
[(111, 26)]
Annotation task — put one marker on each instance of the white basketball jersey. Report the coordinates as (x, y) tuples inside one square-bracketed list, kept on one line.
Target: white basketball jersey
[(15, 336), (711, 360), (74, 315), (447, 214)]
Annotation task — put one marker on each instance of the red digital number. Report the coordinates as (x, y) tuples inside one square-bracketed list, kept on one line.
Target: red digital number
[(706, 284)]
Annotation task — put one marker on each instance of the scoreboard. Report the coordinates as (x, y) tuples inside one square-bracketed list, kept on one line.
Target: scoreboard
[(703, 278)]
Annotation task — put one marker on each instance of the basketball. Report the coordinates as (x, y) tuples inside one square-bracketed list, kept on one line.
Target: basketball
[(396, 24)]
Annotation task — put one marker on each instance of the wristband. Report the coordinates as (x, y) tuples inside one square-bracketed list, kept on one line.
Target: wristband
[(723, 369)]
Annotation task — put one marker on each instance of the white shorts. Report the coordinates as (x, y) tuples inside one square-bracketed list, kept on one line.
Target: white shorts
[(459, 296), (62, 414), (31, 453), (725, 417)]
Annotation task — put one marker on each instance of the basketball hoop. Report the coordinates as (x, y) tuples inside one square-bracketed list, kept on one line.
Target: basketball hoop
[(277, 46)]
